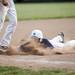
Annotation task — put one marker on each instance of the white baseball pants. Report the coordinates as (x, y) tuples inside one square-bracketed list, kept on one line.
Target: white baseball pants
[(11, 14)]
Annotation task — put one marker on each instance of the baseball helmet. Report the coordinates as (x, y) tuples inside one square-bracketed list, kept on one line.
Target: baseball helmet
[(37, 33)]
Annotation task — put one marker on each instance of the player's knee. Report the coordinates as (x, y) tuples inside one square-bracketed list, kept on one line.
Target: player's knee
[(15, 21)]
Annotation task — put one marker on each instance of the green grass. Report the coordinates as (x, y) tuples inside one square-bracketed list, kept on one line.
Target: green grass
[(45, 10), (18, 71)]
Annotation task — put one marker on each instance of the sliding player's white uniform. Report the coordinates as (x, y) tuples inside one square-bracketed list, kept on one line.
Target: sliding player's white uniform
[(57, 42)]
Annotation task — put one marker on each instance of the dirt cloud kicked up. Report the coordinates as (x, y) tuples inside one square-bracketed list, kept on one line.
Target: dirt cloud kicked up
[(29, 47), (34, 47)]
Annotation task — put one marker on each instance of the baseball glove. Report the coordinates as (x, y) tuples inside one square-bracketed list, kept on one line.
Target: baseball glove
[(4, 2)]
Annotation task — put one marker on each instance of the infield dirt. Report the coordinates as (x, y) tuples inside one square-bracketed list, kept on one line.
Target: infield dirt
[(50, 29)]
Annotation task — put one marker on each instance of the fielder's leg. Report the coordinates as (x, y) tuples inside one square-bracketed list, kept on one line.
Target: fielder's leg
[(3, 12), (5, 41)]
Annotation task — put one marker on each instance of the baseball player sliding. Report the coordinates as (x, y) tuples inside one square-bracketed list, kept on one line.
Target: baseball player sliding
[(7, 7), (56, 42)]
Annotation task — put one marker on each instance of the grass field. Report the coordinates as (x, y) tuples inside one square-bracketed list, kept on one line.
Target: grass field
[(18, 71), (45, 10)]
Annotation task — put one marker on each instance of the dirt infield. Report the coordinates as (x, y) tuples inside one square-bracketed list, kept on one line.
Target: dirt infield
[(50, 29)]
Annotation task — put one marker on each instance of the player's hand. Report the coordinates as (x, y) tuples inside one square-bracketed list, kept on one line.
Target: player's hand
[(5, 2)]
